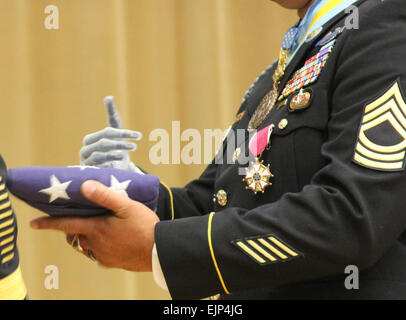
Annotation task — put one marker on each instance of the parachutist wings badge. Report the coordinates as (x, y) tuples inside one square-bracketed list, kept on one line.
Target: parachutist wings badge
[(381, 139)]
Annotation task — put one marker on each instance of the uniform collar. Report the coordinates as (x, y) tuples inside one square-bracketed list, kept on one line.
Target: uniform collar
[(320, 13)]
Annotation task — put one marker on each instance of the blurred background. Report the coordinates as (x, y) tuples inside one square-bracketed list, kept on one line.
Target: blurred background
[(163, 60)]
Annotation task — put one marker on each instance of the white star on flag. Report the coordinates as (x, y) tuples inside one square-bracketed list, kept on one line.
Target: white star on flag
[(119, 187), (57, 189)]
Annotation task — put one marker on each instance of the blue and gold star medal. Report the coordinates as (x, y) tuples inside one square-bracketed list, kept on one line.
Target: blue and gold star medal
[(258, 175)]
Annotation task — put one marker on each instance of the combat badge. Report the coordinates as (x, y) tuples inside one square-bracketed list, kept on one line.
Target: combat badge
[(301, 101), (330, 36), (381, 139), (313, 34)]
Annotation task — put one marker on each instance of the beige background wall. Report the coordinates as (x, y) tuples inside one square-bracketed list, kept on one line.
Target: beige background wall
[(163, 60)]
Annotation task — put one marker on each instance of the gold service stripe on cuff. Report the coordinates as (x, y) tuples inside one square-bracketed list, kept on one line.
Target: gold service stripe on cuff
[(283, 247), (251, 253), (261, 250), (273, 249)]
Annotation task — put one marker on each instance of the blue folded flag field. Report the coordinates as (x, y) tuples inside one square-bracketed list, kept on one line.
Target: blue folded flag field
[(56, 190)]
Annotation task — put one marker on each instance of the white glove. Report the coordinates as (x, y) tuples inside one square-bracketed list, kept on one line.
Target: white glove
[(108, 148)]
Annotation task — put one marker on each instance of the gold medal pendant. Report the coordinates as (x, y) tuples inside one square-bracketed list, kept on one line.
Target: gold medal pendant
[(257, 177), (262, 111), (269, 101)]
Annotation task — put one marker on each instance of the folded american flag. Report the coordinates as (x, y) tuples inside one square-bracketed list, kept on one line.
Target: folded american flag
[(56, 190)]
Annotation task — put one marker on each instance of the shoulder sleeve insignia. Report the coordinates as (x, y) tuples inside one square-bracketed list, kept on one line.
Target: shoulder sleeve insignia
[(381, 139), (265, 250)]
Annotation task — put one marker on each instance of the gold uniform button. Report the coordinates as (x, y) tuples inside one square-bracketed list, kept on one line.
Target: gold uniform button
[(222, 198), (283, 124)]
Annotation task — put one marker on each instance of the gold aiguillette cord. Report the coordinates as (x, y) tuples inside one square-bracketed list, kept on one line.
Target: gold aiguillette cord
[(269, 100)]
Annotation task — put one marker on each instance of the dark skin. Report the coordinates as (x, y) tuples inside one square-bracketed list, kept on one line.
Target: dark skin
[(300, 5), (126, 238), (123, 240)]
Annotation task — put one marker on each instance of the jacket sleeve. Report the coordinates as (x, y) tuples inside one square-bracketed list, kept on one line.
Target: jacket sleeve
[(350, 213)]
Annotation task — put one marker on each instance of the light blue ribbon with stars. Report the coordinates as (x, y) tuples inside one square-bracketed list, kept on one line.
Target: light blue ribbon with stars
[(292, 36), (296, 36)]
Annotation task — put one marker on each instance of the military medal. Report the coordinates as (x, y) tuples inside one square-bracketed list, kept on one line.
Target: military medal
[(268, 102), (258, 175), (271, 97), (300, 100)]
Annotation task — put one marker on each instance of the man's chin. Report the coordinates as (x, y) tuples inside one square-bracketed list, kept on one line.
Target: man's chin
[(292, 4)]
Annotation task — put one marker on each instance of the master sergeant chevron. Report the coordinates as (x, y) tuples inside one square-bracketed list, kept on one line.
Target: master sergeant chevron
[(381, 140)]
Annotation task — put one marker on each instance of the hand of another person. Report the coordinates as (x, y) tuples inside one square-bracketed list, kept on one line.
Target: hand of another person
[(108, 147)]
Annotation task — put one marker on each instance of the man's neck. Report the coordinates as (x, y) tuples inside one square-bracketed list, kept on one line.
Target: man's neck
[(302, 12)]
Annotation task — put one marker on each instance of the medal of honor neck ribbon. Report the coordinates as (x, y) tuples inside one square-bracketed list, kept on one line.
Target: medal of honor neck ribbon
[(319, 13)]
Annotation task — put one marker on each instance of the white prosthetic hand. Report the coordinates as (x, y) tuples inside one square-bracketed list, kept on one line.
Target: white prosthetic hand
[(109, 148)]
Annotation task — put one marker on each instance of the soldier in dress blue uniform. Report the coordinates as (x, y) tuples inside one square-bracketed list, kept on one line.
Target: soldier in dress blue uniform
[(325, 188)]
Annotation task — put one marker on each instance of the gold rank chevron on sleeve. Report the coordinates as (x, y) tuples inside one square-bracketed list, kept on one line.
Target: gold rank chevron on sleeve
[(381, 140)]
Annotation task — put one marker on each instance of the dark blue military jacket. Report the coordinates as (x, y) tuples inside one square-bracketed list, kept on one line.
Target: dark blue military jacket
[(338, 194)]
